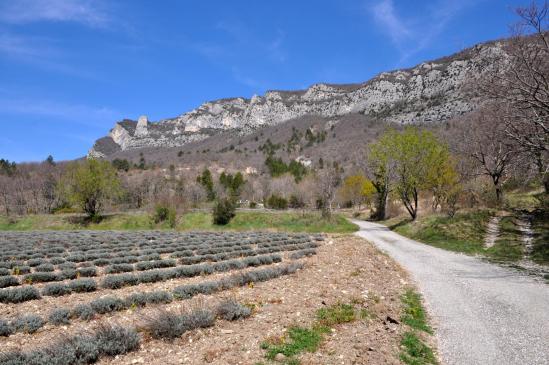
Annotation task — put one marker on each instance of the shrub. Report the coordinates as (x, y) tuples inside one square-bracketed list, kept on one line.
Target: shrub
[(116, 340), (164, 325), (148, 265), (47, 267), (231, 310), (57, 260), (87, 271), (119, 281), (35, 262), (101, 262), (83, 311), (28, 324), (154, 276), (190, 290), (41, 277), (20, 270), (164, 213), (276, 202), (224, 210), (107, 304), (83, 285), (67, 265), (6, 281), (198, 318), (68, 274), (55, 290), (301, 253), (80, 349), (4, 271), (18, 295), (5, 328), (167, 325), (118, 268), (59, 316), (159, 296)]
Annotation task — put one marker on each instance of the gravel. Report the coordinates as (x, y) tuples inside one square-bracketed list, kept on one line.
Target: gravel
[(483, 313)]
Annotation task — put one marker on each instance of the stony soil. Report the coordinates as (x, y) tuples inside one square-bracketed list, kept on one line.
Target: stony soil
[(346, 269)]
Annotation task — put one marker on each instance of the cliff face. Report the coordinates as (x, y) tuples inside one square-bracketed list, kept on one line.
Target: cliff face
[(429, 92)]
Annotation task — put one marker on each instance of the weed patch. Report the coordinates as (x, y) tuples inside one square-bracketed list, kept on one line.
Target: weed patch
[(301, 339), (414, 314)]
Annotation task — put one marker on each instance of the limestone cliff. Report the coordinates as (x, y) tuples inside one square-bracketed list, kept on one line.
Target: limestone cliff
[(430, 92)]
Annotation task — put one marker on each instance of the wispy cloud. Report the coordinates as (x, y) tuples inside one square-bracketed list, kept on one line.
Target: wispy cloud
[(384, 13), (18, 46), (75, 113), (87, 12), (411, 34)]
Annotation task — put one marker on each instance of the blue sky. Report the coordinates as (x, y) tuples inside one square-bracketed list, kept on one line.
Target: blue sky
[(70, 68)]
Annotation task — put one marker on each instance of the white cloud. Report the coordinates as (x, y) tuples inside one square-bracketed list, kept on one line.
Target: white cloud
[(86, 12), (17, 46), (412, 34), (384, 14)]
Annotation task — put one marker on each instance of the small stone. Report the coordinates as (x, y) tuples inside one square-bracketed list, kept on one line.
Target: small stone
[(280, 357), (226, 332)]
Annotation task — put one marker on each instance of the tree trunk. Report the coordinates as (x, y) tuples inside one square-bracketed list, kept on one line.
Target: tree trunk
[(381, 202), (410, 203)]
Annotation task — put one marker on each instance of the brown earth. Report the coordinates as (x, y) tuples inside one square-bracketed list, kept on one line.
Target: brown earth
[(346, 269)]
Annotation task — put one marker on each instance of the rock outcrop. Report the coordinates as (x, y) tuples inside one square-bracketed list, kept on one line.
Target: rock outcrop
[(429, 92)]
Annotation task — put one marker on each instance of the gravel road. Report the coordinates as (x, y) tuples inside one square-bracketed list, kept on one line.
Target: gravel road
[(482, 313)]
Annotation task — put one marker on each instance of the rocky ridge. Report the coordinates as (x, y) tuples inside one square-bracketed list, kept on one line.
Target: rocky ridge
[(430, 92)]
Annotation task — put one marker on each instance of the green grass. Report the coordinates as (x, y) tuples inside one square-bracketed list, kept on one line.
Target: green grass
[(284, 221), (540, 226), (463, 233), (508, 247), (302, 339), (520, 200), (244, 220), (414, 314), (299, 340), (415, 350), (336, 314)]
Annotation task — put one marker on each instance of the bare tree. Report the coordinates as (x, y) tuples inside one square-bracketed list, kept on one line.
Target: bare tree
[(329, 179), (520, 85), (486, 142)]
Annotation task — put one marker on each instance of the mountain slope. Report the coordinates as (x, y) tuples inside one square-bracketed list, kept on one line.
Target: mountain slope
[(430, 92)]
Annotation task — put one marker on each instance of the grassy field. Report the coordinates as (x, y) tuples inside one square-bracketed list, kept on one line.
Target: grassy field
[(466, 233), (462, 233), (508, 246), (540, 226), (244, 220)]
